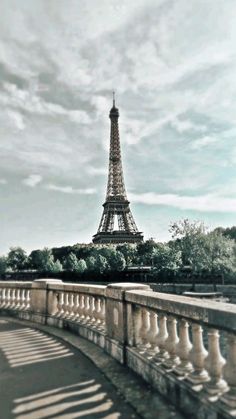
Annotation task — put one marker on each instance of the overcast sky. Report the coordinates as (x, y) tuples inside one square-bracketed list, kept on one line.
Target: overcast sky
[(173, 66)]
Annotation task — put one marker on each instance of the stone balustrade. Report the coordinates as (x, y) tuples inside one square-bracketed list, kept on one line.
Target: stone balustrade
[(184, 347), (15, 297)]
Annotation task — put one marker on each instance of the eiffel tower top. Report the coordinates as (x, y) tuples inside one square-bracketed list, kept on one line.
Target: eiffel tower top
[(114, 112), (116, 184)]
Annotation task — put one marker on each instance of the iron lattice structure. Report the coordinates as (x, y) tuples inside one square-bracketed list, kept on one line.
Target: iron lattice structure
[(116, 203)]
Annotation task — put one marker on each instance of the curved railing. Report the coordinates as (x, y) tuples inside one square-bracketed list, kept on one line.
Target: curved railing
[(184, 347)]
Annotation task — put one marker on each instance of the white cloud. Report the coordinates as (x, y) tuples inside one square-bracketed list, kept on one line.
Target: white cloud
[(203, 203), (70, 189), (203, 142), (30, 102), (32, 180), (96, 171), (3, 182), (17, 118)]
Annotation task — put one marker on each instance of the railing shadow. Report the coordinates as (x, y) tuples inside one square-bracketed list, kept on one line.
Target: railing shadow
[(41, 377)]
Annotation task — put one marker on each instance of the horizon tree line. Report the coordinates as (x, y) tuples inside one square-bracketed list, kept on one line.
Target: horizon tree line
[(192, 246)]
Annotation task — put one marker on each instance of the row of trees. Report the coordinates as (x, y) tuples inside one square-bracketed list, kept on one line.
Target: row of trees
[(192, 246)]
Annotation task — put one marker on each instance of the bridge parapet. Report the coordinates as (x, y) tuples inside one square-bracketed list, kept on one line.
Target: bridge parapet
[(184, 347)]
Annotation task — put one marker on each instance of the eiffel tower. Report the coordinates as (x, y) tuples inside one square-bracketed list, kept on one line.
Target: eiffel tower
[(117, 224)]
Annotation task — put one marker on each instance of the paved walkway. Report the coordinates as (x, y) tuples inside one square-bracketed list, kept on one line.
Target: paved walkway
[(43, 377)]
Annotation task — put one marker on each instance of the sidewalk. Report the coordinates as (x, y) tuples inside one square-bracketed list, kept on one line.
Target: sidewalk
[(43, 377)]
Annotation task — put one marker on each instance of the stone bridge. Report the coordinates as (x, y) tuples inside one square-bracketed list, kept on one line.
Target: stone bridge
[(183, 348)]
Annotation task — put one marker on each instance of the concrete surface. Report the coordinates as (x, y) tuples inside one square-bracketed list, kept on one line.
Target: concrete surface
[(44, 375)]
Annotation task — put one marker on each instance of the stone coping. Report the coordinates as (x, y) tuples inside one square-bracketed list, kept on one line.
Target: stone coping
[(83, 288), (12, 284)]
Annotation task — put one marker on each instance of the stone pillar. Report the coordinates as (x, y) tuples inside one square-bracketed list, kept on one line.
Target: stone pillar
[(42, 301), (117, 321)]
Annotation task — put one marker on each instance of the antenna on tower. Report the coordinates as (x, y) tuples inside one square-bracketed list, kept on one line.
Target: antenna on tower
[(114, 99)]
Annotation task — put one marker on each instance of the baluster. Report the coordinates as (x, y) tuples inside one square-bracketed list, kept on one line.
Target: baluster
[(27, 300), (137, 324), (22, 307), (229, 371), (12, 298), (91, 309), (152, 334), (8, 297), (197, 355), (214, 363), (183, 349), (81, 307), (103, 312), (1, 297), (144, 329), (76, 306), (161, 339), (70, 308), (96, 310), (100, 314), (4, 297), (171, 343), (65, 304), (86, 308), (60, 304), (17, 307)]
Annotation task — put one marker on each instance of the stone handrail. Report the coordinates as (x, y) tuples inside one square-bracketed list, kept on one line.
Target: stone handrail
[(181, 345)]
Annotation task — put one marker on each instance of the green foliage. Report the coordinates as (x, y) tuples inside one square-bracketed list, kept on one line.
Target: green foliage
[(129, 251), (145, 252), (91, 263), (82, 266), (189, 238), (229, 232), (97, 263), (166, 258), (54, 267), (43, 260), (118, 262), (219, 253), (115, 260), (3, 264), (70, 262), (101, 264), (17, 259)]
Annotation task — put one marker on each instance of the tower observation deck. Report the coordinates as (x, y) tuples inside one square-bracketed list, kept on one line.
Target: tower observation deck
[(117, 224)]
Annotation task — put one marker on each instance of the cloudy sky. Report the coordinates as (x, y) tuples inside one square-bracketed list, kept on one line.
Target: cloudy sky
[(173, 66)]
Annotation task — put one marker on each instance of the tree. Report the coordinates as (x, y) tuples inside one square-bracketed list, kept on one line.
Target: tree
[(129, 252), (219, 255), (145, 251), (55, 267), (166, 258), (188, 238), (101, 264), (73, 264), (17, 259), (91, 263), (3, 264), (70, 262), (118, 262), (82, 266), (229, 232), (43, 261), (97, 263)]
